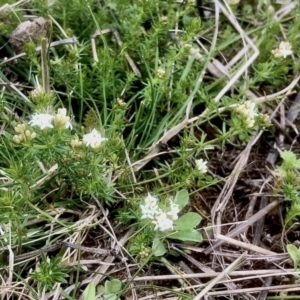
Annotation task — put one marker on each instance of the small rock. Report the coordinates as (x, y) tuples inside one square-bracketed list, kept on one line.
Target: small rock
[(29, 31)]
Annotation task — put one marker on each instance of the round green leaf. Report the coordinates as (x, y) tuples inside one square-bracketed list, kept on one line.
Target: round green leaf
[(182, 199), (113, 286), (158, 248), (187, 235), (187, 221)]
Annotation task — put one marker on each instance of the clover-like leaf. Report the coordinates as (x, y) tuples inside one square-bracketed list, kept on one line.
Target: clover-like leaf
[(158, 247), (113, 286), (190, 235), (182, 199), (187, 221)]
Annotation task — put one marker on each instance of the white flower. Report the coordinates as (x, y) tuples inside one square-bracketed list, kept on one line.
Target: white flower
[(42, 120), (160, 72), (285, 49), (150, 200), (162, 222), (201, 165), (62, 119), (174, 210), (150, 209), (250, 109), (247, 109), (249, 122), (93, 139)]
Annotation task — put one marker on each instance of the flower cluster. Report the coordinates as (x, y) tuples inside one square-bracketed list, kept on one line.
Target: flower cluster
[(247, 110), (160, 72), (201, 165), (45, 120), (285, 49), (61, 119), (93, 139), (23, 134), (76, 143), (42, 120), (163, 220)]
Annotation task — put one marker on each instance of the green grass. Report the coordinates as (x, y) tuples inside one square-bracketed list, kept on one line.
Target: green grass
[(162, 99)]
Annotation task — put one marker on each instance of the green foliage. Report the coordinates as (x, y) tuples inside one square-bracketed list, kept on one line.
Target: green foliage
[(110, 290), (133, 82), (49, 272), (182, 198), (140, 242), (290, 184), (90, 292), (187, 221), (294, 253), (290, 161), (158, 248), (187, 235)]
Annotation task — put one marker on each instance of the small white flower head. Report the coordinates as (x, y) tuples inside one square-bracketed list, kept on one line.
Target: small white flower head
[(162, 222), (17, 138), (160, 72), (265, 119), (20, 128), (62, 120), (150, 209), (76, 143), (93, 139), (247, 110), (249, 122), (164, 20), (201, 165), (42, 120), (174, 210), (271, 9), (120, 102), (194, 51), (150, 200), (30, 136), (34, 93), (250, 109), (285, 49)]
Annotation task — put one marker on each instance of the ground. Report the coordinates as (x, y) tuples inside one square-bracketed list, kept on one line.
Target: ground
[(149, 149)]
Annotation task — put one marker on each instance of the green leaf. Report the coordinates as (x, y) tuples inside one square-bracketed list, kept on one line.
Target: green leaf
[(187, 221), (112, 6), (113, 286), (182, 199), (110, 297), (158, 247), (100, 289), (294, 254), (90, 292), (290, 160), (187, 235)]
